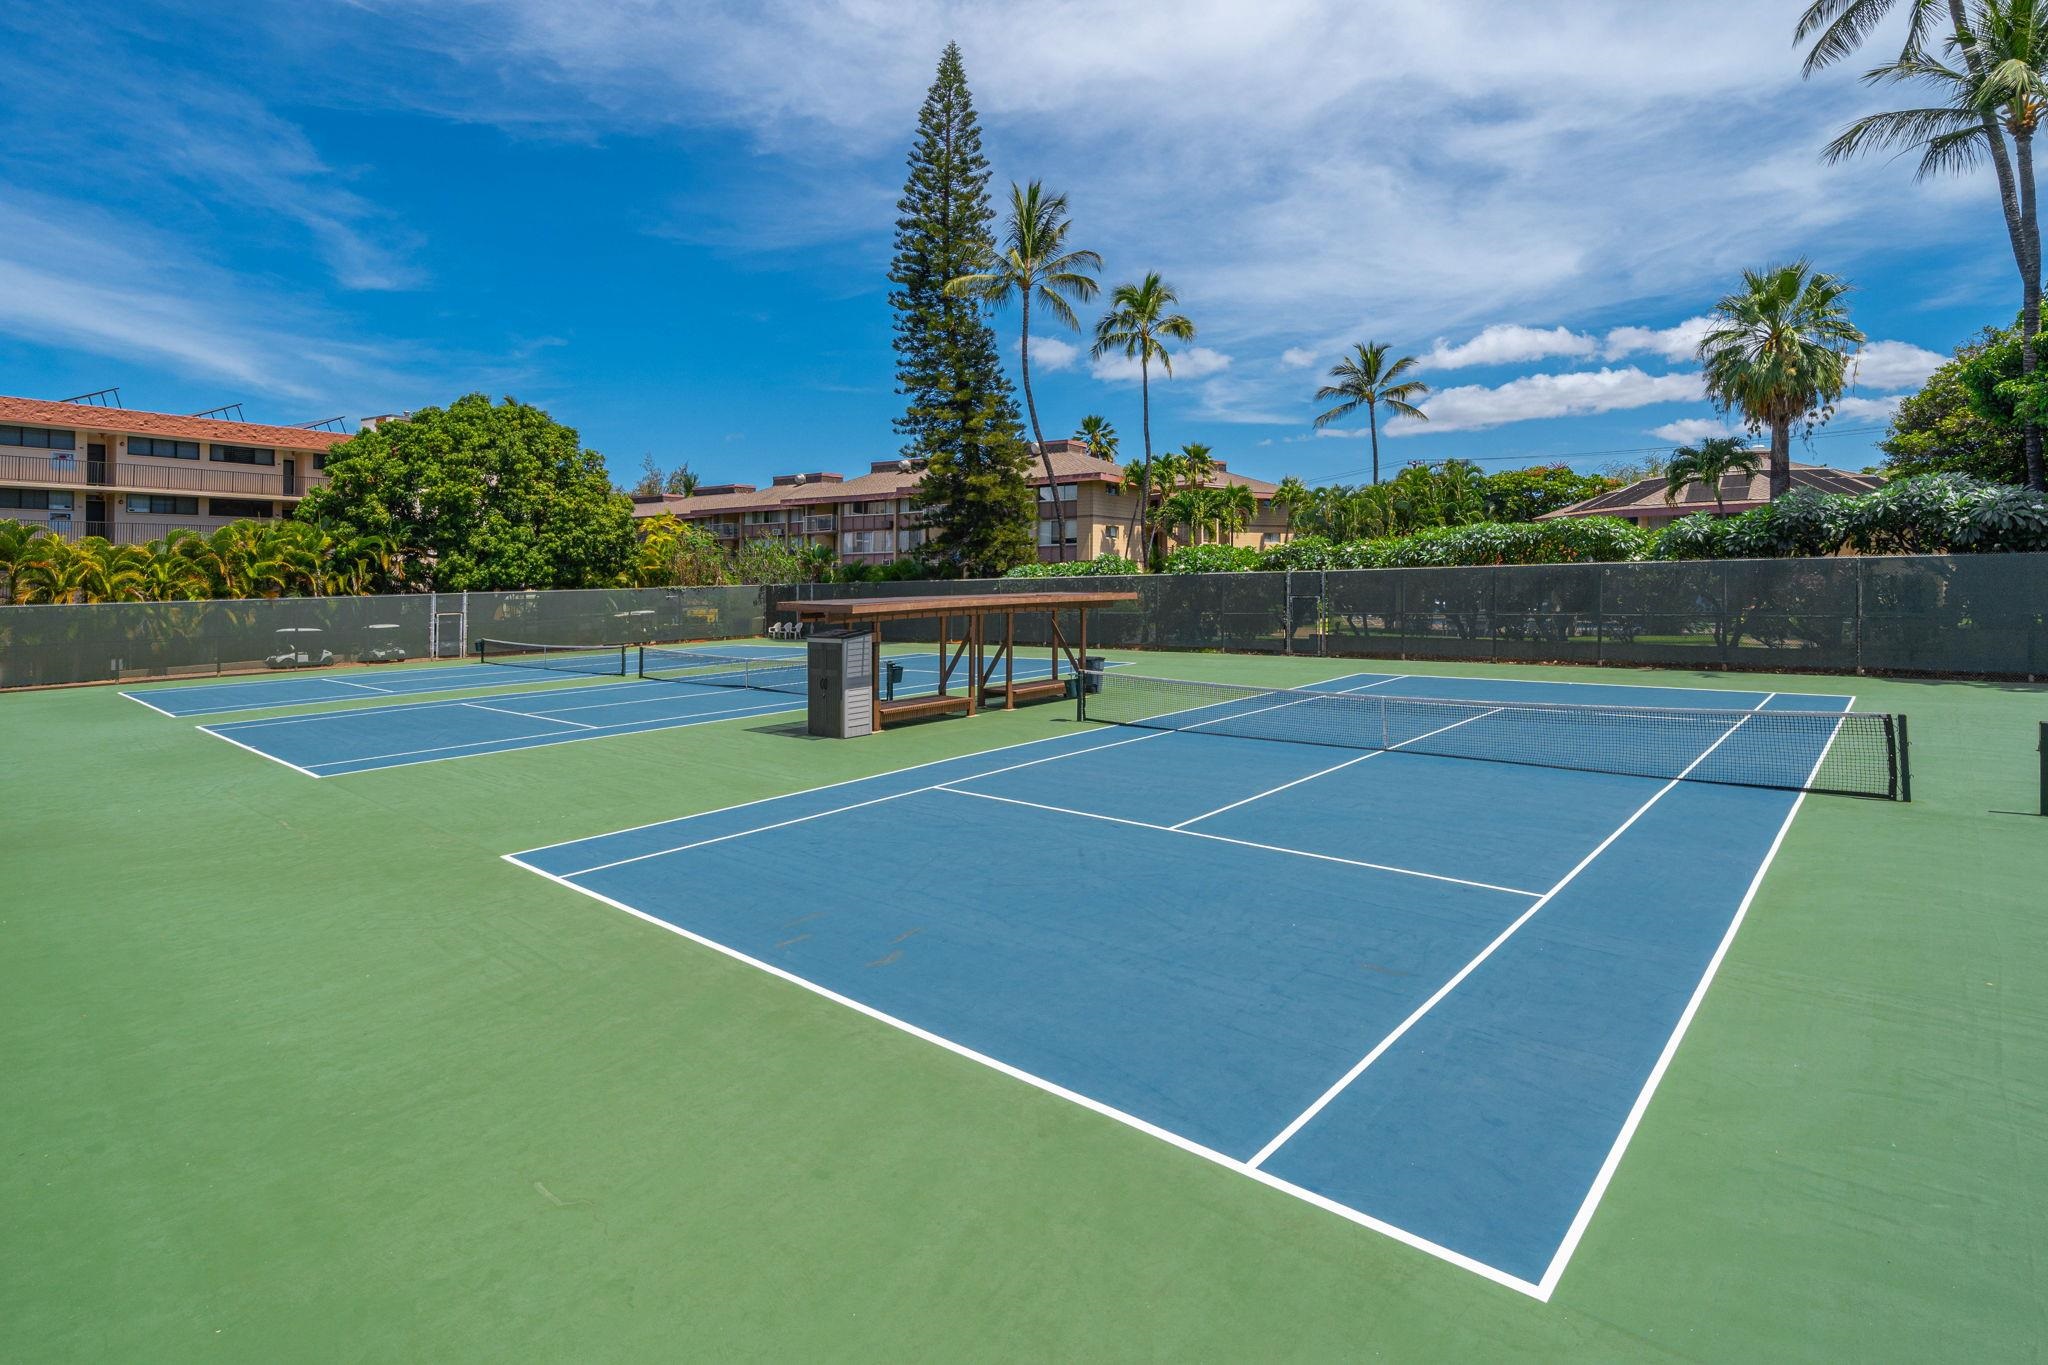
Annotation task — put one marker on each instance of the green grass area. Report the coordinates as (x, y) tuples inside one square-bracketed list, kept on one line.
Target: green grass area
[(303, 1070)]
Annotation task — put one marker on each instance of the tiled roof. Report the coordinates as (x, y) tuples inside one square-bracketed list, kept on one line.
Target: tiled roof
[(1070, 464), (86, 416), (1739, 493)]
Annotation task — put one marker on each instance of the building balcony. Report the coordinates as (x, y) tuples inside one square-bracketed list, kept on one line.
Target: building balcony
[(142, 476), (868, 521)]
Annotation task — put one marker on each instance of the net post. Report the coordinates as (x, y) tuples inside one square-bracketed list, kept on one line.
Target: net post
[(2043, 747), (1905, 762)]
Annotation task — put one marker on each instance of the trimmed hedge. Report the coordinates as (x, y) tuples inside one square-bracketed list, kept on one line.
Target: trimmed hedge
[(1076, 568)]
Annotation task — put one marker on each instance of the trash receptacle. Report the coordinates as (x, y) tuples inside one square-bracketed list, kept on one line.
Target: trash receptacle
[(1092, 677)]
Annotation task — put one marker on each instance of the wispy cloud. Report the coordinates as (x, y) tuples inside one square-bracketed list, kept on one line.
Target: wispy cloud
[(1853, 409), (1676, 344), (1298, 357), (1051, 354)]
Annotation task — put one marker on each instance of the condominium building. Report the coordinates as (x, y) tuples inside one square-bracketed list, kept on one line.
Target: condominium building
[(871, 520), (82, 469)]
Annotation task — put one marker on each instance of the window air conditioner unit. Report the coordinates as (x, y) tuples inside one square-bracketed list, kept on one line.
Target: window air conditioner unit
[(1109, 532)]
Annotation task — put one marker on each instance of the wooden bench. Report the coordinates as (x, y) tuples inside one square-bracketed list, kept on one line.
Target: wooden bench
[(910, 708), (1039, 689)]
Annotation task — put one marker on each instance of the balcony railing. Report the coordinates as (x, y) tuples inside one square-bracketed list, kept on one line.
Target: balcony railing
[(41, 469), (723, 530)]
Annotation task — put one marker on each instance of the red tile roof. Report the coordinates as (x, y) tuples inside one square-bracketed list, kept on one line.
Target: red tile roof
[(128, 422)]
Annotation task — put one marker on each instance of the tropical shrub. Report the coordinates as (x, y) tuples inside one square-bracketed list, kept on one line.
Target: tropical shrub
[(1080, 568), (1211, 559)]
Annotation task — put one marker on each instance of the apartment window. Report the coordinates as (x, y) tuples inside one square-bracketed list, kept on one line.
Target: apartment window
[(906, 541), (320, 460), (1269, 539), (863, 542), (1069, 492), (162, 449), (1067, 530), (38, 438), (237, 507), (868, 509), (244, 455), (36, 499), (160, 505)]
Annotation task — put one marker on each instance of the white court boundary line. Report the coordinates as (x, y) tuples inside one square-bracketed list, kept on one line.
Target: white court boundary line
[(529, 715), (1343, 1082), (1595, 1192), (259, 753), (158, 709), (1366, 1220)]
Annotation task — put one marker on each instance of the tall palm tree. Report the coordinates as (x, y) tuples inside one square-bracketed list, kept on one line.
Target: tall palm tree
[(1037, 264), (1132, 479), (1169, 471), (1197, 464), (1139, 322), (1780, 351), (1365, 379), (1991, 94), (1706, 464)]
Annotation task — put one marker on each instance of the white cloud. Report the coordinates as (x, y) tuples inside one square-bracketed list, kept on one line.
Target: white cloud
[(1692, 429), (1675, 344), (1050, 353), (1193, 363), (1473, 407), (1507, 343), (1298, 357), (1867, 409), (1895, 365)]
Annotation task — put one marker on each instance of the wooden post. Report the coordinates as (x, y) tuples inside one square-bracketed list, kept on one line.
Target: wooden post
[(1010, 659), (1084, 648), (973, 663), (945, 664), (875, 678)]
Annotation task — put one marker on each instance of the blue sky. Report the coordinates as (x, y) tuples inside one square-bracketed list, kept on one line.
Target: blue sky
[(669, 223)]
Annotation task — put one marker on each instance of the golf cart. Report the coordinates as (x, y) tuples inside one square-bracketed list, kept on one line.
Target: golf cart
[(380, 646), (299, 647)]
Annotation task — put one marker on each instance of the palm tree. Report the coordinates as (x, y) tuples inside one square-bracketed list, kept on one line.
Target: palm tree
[(1778, 352), (1197, 465), (1168, 473), (1366, 380), (1190, 507), (1036, 265), (17, 548), (1991, 101), (1706, 464), (1292, 497), (1232, 508), (1132, 479), (1138, 323), (1098, 435)]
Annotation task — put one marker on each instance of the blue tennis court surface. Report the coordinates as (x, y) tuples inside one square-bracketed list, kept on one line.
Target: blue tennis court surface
[(365, 684), (364, 738), (1430, 994)]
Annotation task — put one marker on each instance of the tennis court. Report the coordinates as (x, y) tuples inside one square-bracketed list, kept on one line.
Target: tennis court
[(1428, 985), (624, 691)]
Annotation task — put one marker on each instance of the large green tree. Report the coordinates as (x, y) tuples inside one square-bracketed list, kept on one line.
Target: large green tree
[(959, 418), (1941, 430), (479, 496), (1526, 494)]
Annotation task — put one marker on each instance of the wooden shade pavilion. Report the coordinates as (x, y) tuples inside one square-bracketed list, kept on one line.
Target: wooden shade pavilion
[(982, 649)]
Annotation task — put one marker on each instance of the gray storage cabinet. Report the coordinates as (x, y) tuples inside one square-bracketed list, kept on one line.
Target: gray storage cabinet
[(842, 684)]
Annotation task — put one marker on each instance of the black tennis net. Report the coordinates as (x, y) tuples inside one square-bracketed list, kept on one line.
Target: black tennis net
[(708, 668), (597, 660), (1841, 752)]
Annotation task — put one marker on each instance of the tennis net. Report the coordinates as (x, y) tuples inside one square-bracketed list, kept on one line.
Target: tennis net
[(707, 668), (598, 660), (1840, 752)]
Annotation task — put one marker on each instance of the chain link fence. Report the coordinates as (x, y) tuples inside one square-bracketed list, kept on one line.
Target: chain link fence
[(1942, 614)]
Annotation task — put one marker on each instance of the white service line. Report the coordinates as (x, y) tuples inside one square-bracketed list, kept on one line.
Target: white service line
[(1241, 843), (1359, 1068), (590, 732), (528, 715), (1386, 1229), (367, 687), (1260, 796)]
